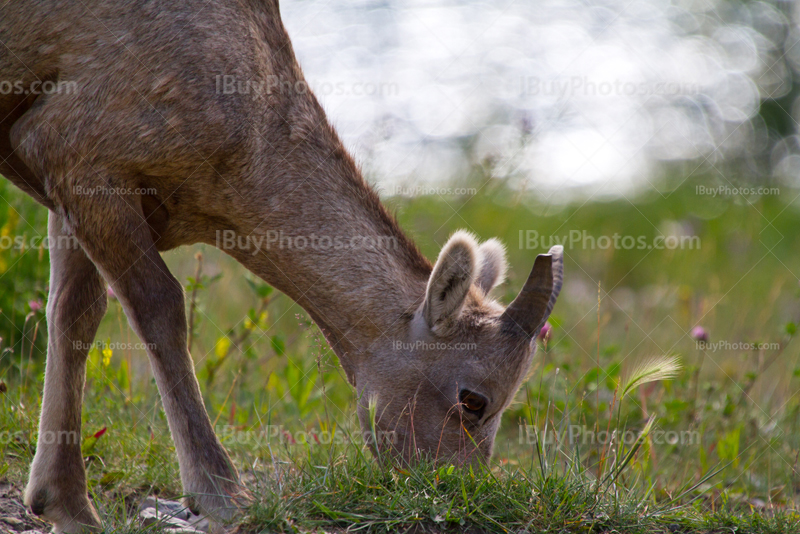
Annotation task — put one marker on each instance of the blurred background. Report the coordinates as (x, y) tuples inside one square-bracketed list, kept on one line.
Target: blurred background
[(597, 98), (671, 125)]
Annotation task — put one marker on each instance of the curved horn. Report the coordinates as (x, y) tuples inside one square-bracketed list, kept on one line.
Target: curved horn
[(535, 301)]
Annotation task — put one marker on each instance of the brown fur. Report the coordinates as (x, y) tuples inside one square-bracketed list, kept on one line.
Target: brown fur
[(170, 161)]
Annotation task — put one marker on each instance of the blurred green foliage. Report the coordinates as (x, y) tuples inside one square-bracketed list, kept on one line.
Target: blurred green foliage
[(24, 271)]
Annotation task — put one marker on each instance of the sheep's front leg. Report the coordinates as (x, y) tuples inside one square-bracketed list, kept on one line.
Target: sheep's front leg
[(116, 237), (75, 305)]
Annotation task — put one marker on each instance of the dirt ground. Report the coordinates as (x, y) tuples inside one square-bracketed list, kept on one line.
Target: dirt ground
[(170, 516), (14, 517)]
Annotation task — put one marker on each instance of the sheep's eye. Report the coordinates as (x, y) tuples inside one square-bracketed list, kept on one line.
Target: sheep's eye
[(472, 402)]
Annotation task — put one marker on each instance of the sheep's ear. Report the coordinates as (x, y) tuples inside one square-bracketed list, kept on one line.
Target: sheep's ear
[(451, 278), (492, 265)]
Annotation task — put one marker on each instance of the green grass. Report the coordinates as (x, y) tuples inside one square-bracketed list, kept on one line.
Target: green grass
[(269, 378)]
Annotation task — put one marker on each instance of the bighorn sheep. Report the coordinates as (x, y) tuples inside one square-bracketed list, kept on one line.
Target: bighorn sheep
[(135, 150)]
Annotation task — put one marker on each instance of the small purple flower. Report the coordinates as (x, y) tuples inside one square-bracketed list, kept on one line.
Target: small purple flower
[(699, 334), (544, 333), (35, 305)]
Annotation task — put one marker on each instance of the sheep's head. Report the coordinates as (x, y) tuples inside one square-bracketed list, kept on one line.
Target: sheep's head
[(441, 388)]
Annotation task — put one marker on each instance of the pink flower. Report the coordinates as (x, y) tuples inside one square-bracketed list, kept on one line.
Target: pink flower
[(544, 333), (699, 334), (35, 305), (110, 293)]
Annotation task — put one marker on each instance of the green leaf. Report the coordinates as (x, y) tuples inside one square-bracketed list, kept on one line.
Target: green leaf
[(259, 288), (728, 446), (90, 442), (123, 375), (278, 345), (111, 477)]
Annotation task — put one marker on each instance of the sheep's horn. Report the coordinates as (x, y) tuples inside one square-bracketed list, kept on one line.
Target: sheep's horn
[(535, 301)]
